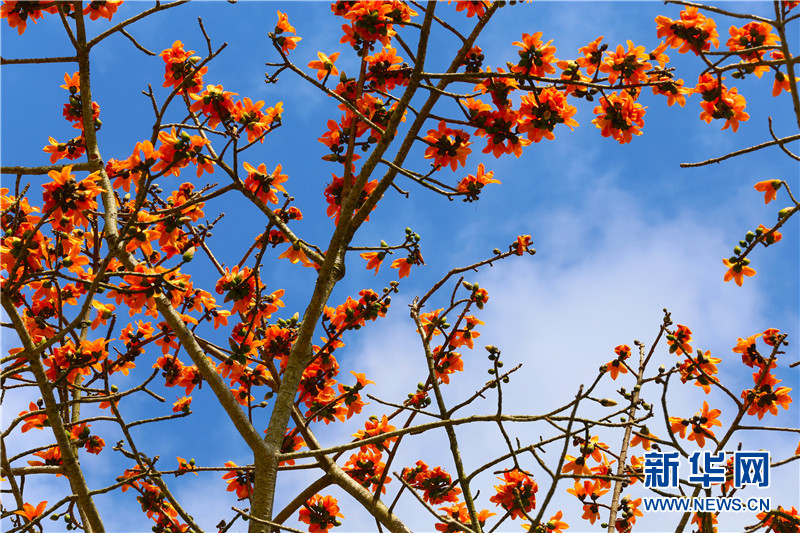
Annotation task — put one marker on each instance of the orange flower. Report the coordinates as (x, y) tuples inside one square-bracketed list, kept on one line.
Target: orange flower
[(473, 7), (374, 260), (404, 264), (374, 427), (701, 422), (616, 366), (187, 466), (536, 57), (592, 55), (521, 244), (630, 64), (702, 370), (325, 66), (366, 468), (215, 103), (737, 271), (295, 253), (182, 405), (619, 116), (72, 149), (105, 9), (539, 114), (29, 511), (104, 312), (693, 31), (517, 494), (240, 481), (669, 87), (19, 13), (286, 43), (446, 362), (459, 513), (781, 82), (34, 421), (644, 438), (729, 105), (72, 201), (577, 465), (752, 35), (780, 520), (554, 525), (51, 456), (386, 70), (679, 341), (769, 188), (768, 336), (320, 513), (472, 185), (265, 185), (180, 70), (765, 398), (629, 511), (772, 238), (447, 146)]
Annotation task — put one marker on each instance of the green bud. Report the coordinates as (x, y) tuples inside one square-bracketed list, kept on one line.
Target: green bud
[(750, 236)]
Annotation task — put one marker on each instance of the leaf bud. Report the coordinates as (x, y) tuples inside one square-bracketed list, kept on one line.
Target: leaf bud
[(608, 402), (784, 212)]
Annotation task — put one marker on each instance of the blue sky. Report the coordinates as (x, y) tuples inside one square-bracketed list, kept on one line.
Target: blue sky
[(620, 231)]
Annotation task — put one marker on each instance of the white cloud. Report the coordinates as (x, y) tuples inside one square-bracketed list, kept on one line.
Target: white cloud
[(600, 278)]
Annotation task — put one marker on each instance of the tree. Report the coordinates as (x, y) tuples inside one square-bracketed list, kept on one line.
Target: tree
[(120, 242)]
